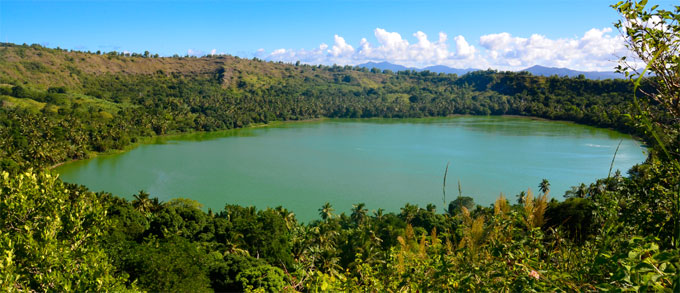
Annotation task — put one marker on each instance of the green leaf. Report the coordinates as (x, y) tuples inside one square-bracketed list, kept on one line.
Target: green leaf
[(643, 267)]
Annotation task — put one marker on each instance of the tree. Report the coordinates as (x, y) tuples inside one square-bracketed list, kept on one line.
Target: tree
[(408, 212), (378, 214), (169, 265), (239, 273), (326, 211), (544, 186), (50, 237), (358, 213), (142, 202), (652, 36), (575, 215), (462, 201), (520, 197), (580, 191)]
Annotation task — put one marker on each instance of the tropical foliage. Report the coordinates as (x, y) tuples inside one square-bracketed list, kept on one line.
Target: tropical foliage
[(620, 233)]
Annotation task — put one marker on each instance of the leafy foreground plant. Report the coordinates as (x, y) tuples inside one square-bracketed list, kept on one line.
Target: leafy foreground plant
[(503, 250), (103, 242), (50, 237)]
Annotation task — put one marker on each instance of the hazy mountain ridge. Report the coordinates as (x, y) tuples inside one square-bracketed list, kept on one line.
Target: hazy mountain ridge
[(549, 71), (434, 68), (535, 70)]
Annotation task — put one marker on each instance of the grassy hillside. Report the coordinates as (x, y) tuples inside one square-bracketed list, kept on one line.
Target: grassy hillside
[(45, 67)]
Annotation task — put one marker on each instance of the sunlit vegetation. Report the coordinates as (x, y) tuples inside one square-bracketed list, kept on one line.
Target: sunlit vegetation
[(79, 103), (619, 233)]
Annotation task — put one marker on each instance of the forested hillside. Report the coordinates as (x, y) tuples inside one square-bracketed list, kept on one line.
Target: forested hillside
[(619, 233), (58, 105)]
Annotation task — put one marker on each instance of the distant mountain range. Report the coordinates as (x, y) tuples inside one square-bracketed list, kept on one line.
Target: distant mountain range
[(535, 70), (548, 71), (397, 67)]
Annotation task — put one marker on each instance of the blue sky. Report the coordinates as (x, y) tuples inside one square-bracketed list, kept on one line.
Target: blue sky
[(477, 33)]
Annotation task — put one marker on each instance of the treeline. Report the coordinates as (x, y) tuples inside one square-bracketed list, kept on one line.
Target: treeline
[(52, 121)]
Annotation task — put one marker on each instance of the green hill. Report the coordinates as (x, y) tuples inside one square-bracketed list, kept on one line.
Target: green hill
[(85, 102)]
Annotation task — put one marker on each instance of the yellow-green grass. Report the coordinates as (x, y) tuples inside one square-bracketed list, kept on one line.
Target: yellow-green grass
[(12, 102)]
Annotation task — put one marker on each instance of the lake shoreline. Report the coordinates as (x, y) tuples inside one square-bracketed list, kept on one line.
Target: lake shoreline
[(382, 162), (170, 136)]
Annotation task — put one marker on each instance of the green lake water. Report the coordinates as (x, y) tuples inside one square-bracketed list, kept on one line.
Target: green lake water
[(383, 163)]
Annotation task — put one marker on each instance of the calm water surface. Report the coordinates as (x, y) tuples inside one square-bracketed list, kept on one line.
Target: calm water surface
[(383, 163)]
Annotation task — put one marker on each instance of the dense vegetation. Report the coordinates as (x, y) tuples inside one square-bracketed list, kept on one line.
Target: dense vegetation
[(57, 107), (617, 233)]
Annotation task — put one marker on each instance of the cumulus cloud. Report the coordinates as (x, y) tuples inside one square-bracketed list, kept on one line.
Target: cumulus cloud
[(597, 49), (391, 46), (463, 49), (340, 48), (320, 55)]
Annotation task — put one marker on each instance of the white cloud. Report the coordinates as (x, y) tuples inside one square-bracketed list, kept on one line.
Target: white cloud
[(195, 53), (391, 44), (654, 22), (200, 53), (463, 49), (340, 48), (597, 49), (392, 47)]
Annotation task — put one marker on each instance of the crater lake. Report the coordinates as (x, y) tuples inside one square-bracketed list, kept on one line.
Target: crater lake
[(384, 163)]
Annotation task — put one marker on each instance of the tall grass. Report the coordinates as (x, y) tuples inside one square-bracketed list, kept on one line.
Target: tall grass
[(534, 209)]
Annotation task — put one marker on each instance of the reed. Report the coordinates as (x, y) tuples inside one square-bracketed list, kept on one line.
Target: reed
[(534, 209)]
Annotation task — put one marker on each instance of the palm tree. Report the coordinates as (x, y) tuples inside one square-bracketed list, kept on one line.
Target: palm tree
[(544, 186), (156, 204), (358, 213), (580, 191), (233, 245), (520, 197), (596, 189), (326, 211), (408, 212), (142, 201), (287, 216), (378, 214)]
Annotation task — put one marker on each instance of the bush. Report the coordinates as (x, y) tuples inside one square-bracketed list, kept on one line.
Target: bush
[(574, 216)]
